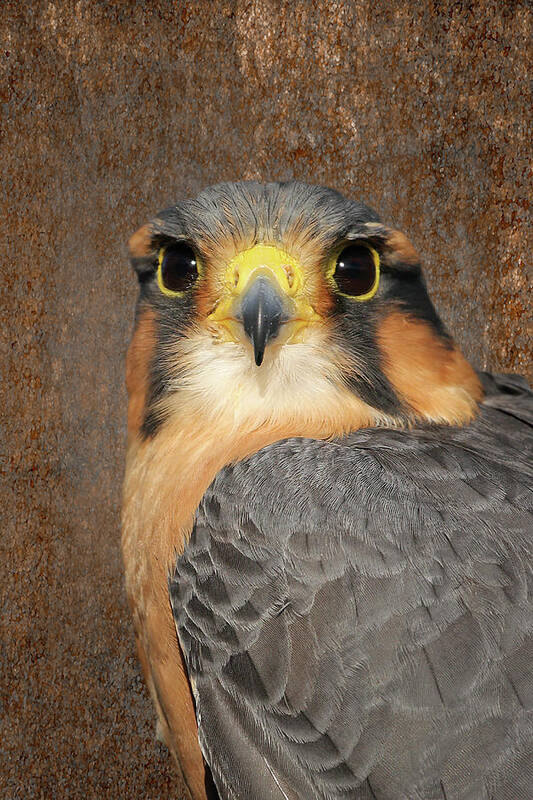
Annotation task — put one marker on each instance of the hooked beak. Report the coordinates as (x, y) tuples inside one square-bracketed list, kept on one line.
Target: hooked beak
[(263, 298), (262, 312)]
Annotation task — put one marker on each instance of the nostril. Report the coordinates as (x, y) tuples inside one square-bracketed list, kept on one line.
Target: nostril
[(289, 272)]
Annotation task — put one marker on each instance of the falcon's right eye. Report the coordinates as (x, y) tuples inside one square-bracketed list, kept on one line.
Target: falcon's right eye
[(177, 269)]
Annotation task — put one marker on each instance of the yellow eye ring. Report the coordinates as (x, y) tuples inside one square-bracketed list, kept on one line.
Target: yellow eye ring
[(178, 269), (352, 273)]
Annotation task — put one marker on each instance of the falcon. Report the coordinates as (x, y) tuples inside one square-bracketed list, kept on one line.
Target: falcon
[(327, 518)]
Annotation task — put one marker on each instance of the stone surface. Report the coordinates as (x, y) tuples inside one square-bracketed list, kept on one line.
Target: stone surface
[(111, 111)]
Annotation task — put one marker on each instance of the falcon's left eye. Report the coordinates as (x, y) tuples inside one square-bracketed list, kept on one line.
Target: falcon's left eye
[(356, 271), (177, 269)]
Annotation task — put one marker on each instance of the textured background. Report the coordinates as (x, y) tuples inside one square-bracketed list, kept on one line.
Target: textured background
[(112, 110)]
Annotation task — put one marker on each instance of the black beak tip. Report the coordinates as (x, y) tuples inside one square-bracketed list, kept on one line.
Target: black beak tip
[(262, 314), (259, 355)]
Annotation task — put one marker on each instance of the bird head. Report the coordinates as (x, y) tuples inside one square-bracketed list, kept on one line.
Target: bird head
[(287, 304)]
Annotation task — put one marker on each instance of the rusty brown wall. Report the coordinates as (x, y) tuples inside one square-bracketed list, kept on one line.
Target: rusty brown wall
[(112, 110)]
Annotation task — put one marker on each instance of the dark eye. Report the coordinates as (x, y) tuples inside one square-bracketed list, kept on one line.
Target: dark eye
[(178, 268), (357, 271)]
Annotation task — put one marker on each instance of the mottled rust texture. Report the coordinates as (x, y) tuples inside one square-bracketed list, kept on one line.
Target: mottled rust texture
[(110, 111)]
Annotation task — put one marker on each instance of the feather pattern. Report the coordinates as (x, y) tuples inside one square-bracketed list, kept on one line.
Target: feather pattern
[(356, 615)]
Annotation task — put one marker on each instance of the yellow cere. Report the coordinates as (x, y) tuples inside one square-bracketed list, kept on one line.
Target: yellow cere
[(277, 264), (262, 258), (265, 257)]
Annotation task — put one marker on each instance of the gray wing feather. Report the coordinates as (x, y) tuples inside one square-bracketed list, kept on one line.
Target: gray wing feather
[(356, 615)]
